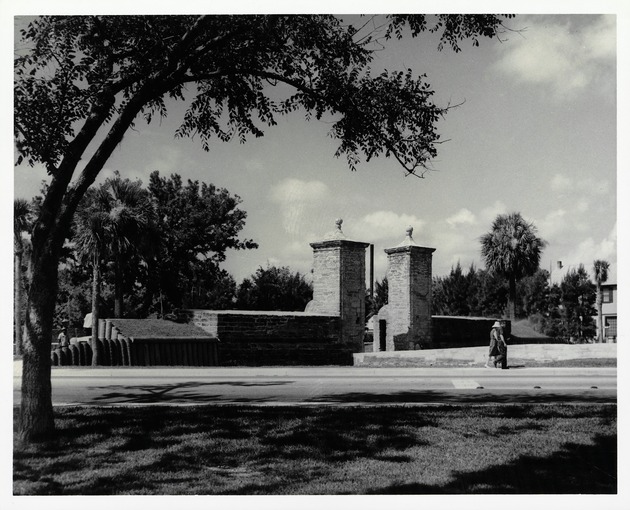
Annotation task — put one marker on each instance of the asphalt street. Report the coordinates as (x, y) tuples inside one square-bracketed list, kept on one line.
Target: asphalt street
[(327, 386)]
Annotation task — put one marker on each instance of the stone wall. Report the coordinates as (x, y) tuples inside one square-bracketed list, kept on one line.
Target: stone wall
[(464, 331), (256, 338), (518, 355)]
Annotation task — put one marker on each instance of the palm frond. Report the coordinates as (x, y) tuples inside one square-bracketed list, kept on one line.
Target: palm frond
[(512, 247)]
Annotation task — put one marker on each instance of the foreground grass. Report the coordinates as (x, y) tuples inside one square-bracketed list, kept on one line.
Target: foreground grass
[(350, 450)]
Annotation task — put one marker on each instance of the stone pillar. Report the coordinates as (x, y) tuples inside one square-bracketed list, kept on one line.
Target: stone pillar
[(339, 284), (409, 305)]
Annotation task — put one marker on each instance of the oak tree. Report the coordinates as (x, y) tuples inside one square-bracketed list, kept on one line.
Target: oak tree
[(196, 223)]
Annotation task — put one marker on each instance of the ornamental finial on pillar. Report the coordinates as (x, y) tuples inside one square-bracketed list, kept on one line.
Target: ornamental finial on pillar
[(336, 234), (408, 241)]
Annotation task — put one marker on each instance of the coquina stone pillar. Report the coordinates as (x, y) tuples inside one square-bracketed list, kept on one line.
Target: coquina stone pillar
[(339, 284), (409, 305)]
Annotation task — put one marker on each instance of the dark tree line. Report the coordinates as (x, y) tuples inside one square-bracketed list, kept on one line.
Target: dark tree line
[(173, 262), (148, 251), (274, 288), (565, 310)]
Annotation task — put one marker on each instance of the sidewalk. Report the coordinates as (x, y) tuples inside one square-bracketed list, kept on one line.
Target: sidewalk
[(297, 372), (477, 356)]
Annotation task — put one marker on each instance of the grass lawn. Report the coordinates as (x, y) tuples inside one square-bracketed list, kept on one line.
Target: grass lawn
[(528, 449)]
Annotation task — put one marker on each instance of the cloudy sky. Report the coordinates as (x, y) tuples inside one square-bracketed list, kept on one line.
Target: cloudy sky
[(535, 133)]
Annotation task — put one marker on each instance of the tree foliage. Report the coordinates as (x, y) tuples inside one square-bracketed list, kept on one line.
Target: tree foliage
[(512, 249), (476, 293), (196, 224), (577, 306), (160, 248), (456, 294), (552, 310), (380, 298), (112, 225), (533, 294), (274, 288), (116, 224), (98, 69)]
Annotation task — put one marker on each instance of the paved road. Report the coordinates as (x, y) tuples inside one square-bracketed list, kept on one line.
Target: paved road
[(328, 386)]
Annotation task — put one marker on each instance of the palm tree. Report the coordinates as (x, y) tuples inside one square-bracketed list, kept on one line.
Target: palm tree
[(600, 269), (21, 224), (512, 250), (91, 244), (130, 225), (112, 222)]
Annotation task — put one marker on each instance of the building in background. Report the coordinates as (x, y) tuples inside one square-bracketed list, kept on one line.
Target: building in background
[(609, 311)]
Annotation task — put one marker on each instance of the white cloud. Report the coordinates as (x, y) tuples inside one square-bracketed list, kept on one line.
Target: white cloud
[(297, 197), (599, 39), (298, 250), (488, 214), (297, 255), (565, 54), (385, 225), (453, 246), (589, 250), (552, 224), (380, 264), (563, 184), (295, 190), (582, 205), (560, 182), (462, 217)]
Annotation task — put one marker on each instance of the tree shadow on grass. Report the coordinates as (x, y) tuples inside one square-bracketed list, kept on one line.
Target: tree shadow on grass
[(576, 469), (185, 440), (478, 396), (279, 450)]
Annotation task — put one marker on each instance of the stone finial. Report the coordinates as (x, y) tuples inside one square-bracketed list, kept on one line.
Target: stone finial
[(408, 241), (337, 233)]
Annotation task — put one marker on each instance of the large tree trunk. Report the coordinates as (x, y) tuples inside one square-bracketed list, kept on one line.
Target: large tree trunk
[(49, 233), (36, 412), (97, 355), (17, 305)]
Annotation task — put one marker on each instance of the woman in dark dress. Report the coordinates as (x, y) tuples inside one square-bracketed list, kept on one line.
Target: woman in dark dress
[(498, 348)]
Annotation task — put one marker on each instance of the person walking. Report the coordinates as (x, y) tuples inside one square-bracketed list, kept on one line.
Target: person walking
[(497, 351), (501, 359)]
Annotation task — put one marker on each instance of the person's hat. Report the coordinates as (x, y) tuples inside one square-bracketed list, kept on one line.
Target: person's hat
[(496, 324)]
